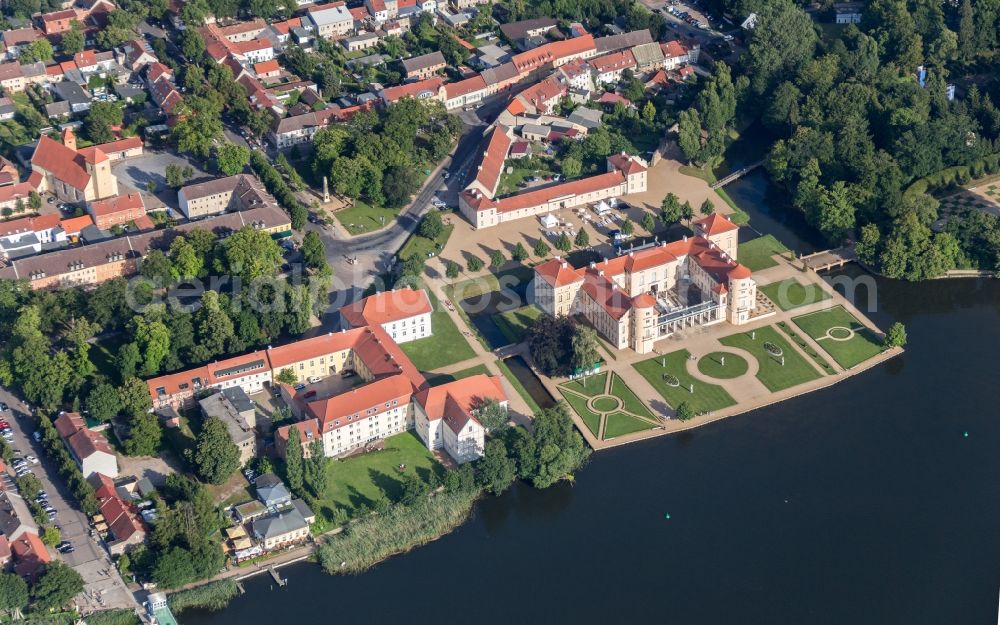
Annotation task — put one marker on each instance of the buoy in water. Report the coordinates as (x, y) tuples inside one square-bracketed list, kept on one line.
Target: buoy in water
[(666, 516), (966, 435)]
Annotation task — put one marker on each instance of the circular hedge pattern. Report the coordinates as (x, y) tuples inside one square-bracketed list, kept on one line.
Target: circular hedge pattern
[(840, 333), (711, 365), (605, 403), (773, 349)]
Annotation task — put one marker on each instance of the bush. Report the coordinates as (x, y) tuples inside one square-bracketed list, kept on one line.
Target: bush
[(211, 596)]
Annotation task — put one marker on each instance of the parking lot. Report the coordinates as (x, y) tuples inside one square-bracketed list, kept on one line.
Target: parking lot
[(104, 588), (137, 172)]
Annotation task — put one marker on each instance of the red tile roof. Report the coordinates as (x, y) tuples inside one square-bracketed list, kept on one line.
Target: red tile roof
[(119, 204), (673, 49), (491, 166), (613, 62), (267, 67), (387, 307), (62, 162), (357, 402), (565, 189), (29, 224), (74, 225), (715, 224), (412, 89), (454, 402), (558, 272), (314, 347), (121, 145), (30, 554), (464, 87)]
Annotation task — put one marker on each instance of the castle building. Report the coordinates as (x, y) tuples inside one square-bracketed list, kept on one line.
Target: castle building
[(641, 297)]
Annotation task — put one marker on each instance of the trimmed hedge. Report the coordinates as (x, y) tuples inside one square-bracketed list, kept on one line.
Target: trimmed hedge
[(955, 176)]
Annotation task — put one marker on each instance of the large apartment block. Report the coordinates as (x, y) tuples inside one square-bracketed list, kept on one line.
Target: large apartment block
[(641, 297)]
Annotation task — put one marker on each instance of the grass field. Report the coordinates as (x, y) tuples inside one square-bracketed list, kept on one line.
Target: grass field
[(444, 378), (861, 345), (360, 480), (591, 386), (630, 401), (712, 365), (514, 324), (515, 279), (706, 397), (619, 424), (791, 293), (806, 347), (591, 419), (756, 254), (445, 347), (772, 373), (362, 218), (421, 246)]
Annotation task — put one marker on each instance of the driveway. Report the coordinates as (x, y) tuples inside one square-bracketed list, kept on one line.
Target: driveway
[(152, 167), (104, 588)]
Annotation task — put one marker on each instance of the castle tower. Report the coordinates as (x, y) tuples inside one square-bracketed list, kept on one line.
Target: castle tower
[(99, 167)]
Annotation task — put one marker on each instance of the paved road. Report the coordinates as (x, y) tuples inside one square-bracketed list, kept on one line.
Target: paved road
[(90, 560), (374, 252)]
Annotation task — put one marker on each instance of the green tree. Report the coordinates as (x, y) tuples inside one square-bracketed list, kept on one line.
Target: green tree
[(452, 270), (541, 249), (287, 376), (684, 411), (431, 226), (496, 470), (216, 456), (559, 448), (491, 414), (13, 592), (101, 118), (174, 568), (133, 397), (251, 254), (144, 436), (571, 167), (199, 125), (563, 242), (648, 221), (687, 211), (315, 469), (51, 536), (497, 259), (707, 208), (628, 227), (72, 41), (582, 238), (232, 158), (294, 463), (895, 337), (474, 264), (57, 584), (670, 209), (689, 134), (37, 50), (103, 402), (585, 348), (867, 247), (175, 176)]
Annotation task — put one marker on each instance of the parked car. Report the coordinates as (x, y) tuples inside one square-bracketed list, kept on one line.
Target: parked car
[(4, 407), (37, 436), (31, 459)]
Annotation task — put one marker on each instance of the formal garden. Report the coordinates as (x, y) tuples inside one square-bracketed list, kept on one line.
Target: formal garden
[(723, 365), (668, 375), (841, 335), (780, 365), (607, 406), (790, 294)]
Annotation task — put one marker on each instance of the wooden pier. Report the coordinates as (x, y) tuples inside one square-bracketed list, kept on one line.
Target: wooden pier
[(278, 579), (829, 259)]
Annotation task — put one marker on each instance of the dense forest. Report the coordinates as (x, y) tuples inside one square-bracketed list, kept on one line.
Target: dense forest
[(862, 132)]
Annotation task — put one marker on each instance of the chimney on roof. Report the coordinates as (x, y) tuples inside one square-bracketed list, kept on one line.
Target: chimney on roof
[(600, 273), (593, 264), (564, 264), (69, 139), (685, 238)]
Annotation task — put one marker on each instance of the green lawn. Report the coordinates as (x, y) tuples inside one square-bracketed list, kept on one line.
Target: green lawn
[(591, 386), (579, 405), (360, 480), (523, 392), (444, 378), (772, 373), (806, 347), (511, 183), (514, 324), (421, 246), (791, 293), (723, 365), (445, 347), (862, 344), (630, 401), (362, 218), (706, 397), (756, 254), (515, 279), (619, 424)]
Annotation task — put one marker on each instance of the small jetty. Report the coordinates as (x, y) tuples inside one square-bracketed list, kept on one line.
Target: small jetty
[(278, 579), (829, 259)]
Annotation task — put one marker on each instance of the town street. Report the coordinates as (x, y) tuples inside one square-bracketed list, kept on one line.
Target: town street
[(104, 588)]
